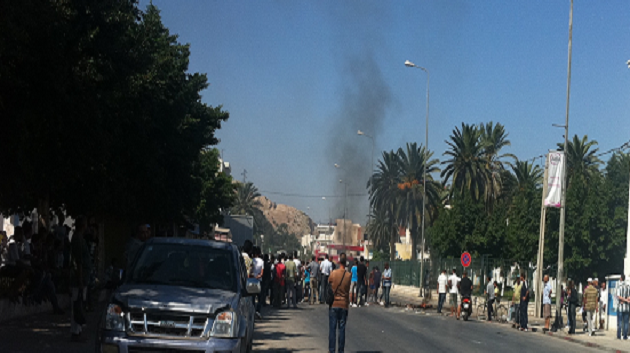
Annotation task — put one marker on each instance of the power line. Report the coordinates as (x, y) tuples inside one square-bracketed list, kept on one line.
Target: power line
[(309, 196)]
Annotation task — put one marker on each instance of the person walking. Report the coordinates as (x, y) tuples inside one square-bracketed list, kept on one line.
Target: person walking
[(266, 279), (623, 308), (603, 305), (453, 282), (338, 311), (442, 284), (362, 282), (325, 268), (387, 284), (490, 298), (516, 302), (524, 303), (314, 269), (307, 284), (278, 283), (353, 284), (290, 276), (590, 305), (81, 269), (546, 302), (377, 283), (258, 269), (572, 299)]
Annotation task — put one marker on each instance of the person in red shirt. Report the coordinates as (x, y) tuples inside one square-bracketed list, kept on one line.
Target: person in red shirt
[(278, 283)]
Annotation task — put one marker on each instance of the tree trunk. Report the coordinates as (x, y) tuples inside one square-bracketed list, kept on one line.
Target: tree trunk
[(392, 247), (413, 233)]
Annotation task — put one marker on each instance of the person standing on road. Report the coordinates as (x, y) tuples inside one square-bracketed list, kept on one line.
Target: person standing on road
[(338, 311), (623, 308), (307, 283), (453, 281), (572, 299), (387, 284), (266, 279), (603, 305), (314, 269), (377, 283), (546, 302), (361, 281), (590, 305), (490, 297), (278, 283), (524, 303), (441, 290), (516, 302), (289, 281), (258, 267), (325, 268), (353, 284), (81, 269)]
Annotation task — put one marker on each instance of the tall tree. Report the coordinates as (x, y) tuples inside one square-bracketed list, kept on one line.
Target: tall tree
[(466, 168), (246, 199), (493, 138), (383, 190), (411, 192)]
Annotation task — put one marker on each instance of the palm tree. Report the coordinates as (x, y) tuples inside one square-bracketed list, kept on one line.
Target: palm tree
[(383, 189), (411, 193), (380, 228), (527, 176), (493, 139), (246, 202), (467, 167), (581, 159)]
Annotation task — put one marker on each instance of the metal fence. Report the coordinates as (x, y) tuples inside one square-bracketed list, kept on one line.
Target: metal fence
[(407, 273)]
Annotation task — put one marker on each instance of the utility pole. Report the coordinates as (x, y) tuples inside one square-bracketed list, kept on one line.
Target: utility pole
[(541, 239), (626, 267), (563, 202), (244, 174)]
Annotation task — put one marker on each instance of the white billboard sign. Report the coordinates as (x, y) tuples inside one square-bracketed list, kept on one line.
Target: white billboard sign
[(555, 179)]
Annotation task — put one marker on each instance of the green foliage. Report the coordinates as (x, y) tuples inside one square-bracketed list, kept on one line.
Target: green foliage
[(217, 190), (105, 117)]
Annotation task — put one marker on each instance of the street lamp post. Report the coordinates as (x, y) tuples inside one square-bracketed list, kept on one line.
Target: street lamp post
[(361, 133), (563, 200), (345, 199), (424, 177), (626, 267)]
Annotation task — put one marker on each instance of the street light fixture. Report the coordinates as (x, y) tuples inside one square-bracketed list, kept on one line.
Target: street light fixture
[(424, 182), (361, 133)]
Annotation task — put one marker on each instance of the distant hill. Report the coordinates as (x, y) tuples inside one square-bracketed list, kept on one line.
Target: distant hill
[(297, 221)]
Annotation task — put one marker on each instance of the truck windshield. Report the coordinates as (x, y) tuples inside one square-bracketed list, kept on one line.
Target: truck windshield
[(185, 265)]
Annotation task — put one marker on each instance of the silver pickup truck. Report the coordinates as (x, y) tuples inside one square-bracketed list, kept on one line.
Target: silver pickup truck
[(181, 295)]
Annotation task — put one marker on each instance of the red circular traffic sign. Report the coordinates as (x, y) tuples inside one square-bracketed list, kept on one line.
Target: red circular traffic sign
[(466, 259)]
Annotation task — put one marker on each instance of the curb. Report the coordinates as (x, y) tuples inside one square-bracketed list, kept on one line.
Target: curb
[(582, 343)]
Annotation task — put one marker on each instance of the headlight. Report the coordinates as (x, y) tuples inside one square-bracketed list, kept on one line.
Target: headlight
[(224, 325), (114, 318)]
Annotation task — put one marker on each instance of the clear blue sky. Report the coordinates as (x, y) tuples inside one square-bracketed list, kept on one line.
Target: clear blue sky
[(300, 78)]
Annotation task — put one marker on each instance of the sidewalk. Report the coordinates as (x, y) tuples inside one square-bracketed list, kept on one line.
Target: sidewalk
[(402, 296)]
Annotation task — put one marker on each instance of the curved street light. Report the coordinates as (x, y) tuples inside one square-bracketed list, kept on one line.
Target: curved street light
[(424, 182)]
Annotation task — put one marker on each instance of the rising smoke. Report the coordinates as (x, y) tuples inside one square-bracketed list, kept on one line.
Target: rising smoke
[(366, 100)]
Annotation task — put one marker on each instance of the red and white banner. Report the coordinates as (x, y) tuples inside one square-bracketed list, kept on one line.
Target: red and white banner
[(555, 179)]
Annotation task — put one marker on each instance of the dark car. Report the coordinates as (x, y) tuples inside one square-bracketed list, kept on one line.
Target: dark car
[(181, 295)]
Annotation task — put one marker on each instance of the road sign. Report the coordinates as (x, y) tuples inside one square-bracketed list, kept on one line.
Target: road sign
[(466, 259)]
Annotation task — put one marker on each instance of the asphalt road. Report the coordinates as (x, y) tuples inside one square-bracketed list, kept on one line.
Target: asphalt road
[(376, 329)]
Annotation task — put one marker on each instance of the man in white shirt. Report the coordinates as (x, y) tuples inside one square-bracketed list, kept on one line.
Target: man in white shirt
[(453, 281), (257, 272), (325, 268), (603, 305), (441, 289)]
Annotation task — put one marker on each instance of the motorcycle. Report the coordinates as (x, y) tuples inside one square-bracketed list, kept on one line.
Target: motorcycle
[(466, 308)]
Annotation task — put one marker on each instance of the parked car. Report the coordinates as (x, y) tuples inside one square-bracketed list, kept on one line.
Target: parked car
[(181, 295)]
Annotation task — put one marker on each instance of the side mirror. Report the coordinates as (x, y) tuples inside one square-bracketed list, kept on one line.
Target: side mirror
[(253, 286)]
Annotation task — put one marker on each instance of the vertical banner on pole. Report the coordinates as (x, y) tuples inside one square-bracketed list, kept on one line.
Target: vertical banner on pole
[(554, 180)]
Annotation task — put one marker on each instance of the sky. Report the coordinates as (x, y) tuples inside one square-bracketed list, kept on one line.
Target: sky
[(300, 78)]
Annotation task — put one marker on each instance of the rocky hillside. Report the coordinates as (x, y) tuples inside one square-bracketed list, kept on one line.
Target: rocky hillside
[(298, 222)]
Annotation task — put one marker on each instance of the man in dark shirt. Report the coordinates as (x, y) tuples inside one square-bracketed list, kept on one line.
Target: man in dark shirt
[(362, 280), (465, 290)]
